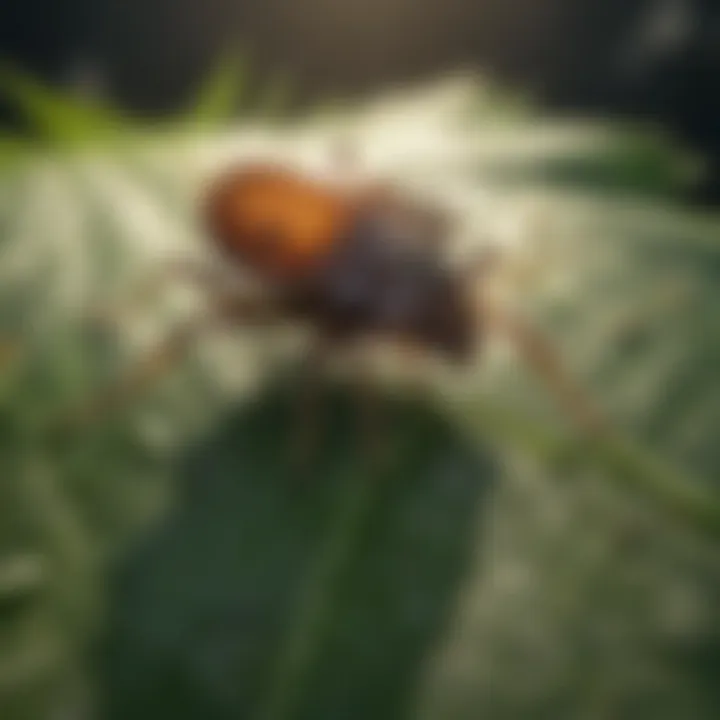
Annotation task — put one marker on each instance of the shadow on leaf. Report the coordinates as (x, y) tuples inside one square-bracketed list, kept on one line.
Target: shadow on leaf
[(268, 595)]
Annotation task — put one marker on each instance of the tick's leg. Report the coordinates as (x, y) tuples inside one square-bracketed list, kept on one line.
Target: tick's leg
[(373, 440), (210, 279), (481, 268), (162, 359), (372, 413), (539, 354), (143, 374), (306, 420)]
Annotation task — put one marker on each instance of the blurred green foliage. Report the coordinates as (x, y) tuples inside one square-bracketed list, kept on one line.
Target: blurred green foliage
[(53, 117), (166, 563), (61, 120), (219, 97)]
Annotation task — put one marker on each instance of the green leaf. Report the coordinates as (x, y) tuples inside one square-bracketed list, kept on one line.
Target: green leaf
[(220, 93), (56, 117), (625, 461)]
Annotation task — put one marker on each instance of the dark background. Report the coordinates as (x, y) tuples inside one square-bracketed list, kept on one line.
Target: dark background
[(589, 51), (650, 57)]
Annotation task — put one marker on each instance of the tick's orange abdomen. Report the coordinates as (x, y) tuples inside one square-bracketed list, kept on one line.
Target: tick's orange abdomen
[(277, 223)]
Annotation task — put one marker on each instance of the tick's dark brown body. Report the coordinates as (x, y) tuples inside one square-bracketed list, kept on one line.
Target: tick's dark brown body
[(350, 264)]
